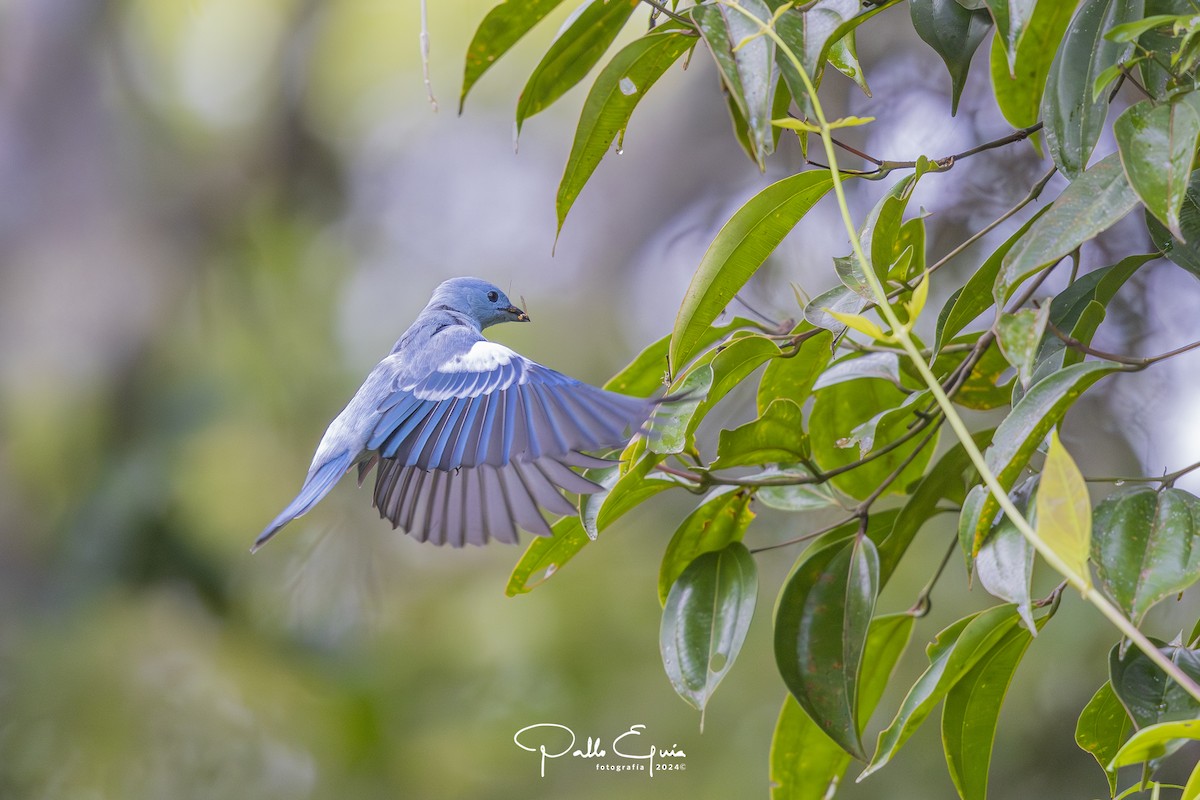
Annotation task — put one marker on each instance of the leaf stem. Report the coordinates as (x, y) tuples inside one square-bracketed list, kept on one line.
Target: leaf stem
[(1081, 582)]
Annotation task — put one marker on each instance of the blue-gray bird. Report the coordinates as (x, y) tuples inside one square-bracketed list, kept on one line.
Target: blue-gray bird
[(469, 436)]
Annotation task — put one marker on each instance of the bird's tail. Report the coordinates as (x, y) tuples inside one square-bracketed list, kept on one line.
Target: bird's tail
[(316, 485)]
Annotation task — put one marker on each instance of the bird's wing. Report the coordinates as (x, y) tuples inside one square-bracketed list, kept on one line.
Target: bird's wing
[(491, 406)]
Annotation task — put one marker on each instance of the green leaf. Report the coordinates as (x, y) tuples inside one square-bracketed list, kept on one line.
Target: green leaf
[(972, 711), (1146, 546), (1027, 424), (1018, 86), (975, 296), (744, 63), (503, 26), (1073, 119), (805, 763), (671, 424), (838, 410), (1064, 510), (880, 231), (776, 437), (1012, 18), (705, 620), (821, 624), (573, 54), (1192, 790), (1185, 253), (1019, 336), (988, 385), (1147, 693), (647, 373), (955, 652), (546, 555), (903, 416), (1130, 31), (792, 377), (1157, 146), (857, 366), (720, 520), (610, 103), (1155, 76), (1150, 743), (843, 55), (739, 249), (632, 489), (954, 33), (1005, 561), (1093, 202), (1102, 727)]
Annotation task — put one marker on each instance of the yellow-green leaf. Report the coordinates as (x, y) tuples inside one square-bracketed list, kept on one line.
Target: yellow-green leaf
[(1064, 511)]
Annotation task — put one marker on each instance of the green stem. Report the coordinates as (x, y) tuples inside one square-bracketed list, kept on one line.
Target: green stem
[(1082, 582)]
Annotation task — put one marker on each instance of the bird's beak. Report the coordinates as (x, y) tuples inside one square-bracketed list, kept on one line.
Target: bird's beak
[(521, 315)]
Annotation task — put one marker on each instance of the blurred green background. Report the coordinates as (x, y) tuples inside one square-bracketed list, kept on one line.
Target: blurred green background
[(216, 216)]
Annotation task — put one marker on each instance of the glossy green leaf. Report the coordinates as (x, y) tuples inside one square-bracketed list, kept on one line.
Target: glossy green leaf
[(1186, 252), (1157, 145), (971, 712), (1019, 336), (954, 33), (857, 366), (1147, 693), (806, 764), (947, 480), (546, 555), (776, 437), (1064, 510), (1155, 76), (955, 652), (619, 87), (821, 624), (744, 63), (1073, 119), (838, 410), (1004, 565), (503, 26), (721, 519), (705, 620), (1019, 86), (792, 377), (1012, 18), (843, 56), (1154, 741), (572, 55), (647, 372), (672, 422), (739, 249), (975, 296), (1146, 546), (880, 231), (1093, 202), (1102, 728), (903, 416)]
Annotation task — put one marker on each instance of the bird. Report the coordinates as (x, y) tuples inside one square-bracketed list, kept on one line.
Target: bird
[(468, 436)]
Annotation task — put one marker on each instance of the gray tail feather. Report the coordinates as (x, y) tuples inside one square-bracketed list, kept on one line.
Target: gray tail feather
[(316, 485)]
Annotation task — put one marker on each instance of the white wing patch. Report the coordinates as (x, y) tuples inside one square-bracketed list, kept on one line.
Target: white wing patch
[(482, 357)]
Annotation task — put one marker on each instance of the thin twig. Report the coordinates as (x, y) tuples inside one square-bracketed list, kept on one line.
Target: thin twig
[(1135, 362), (922, 605), (662, 8)]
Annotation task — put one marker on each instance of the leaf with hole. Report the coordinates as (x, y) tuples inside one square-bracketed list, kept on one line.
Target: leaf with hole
[(610, 104), (705, 620)]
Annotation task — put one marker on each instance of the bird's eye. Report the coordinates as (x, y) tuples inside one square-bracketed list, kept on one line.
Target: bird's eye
[(492, 296)]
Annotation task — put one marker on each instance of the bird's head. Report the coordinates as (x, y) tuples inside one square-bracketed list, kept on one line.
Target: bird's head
[(478, 299)]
